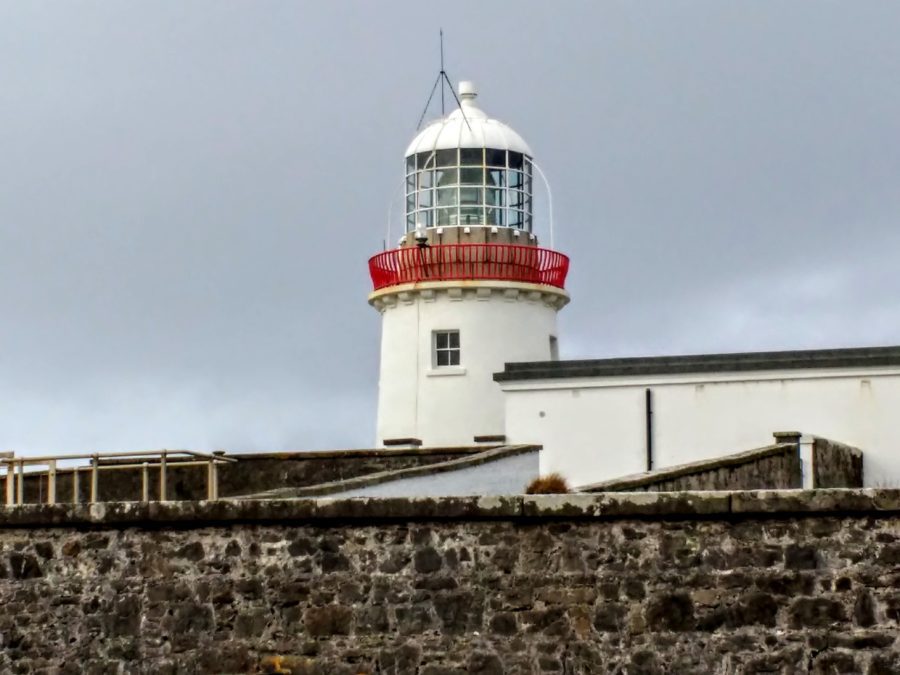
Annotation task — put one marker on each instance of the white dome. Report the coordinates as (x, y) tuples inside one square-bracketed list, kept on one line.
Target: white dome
[(480, 132)]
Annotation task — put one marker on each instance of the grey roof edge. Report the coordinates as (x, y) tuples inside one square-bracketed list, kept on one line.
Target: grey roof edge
[(849, 357), (646, 478), (379, 477)]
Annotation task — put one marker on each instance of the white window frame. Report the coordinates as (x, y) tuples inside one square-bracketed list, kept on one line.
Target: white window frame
[(440, 346)]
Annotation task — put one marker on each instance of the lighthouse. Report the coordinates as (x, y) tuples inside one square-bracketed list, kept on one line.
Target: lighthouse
[(468, 288)]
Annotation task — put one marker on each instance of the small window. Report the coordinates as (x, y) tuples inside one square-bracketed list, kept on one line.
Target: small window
[(446, 177), (446, 196), (446, 348), (470, 195), (471, 215), (494, 217), (554, 348), (471, 156), (425, 160), (471, 176), (495, 157), (445, 157)]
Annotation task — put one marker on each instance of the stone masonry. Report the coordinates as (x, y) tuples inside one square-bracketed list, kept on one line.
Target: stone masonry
[(713, 582)]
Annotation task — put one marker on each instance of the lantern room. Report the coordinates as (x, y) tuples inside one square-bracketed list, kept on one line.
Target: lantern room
[(468, 170)]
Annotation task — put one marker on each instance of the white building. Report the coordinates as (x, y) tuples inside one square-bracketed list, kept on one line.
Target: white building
[(602, 419), (469, 341), (467, 288)]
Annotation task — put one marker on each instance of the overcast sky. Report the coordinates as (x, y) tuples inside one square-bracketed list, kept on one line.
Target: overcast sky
[(189, 193)]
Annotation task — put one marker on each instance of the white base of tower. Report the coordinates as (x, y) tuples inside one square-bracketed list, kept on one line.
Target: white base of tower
[(498, 322)]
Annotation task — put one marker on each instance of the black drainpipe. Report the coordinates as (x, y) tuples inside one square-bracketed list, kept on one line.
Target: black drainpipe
[(648, 399)]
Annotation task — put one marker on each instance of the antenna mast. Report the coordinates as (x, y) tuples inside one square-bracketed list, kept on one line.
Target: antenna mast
[(443, 78), (444, 74)]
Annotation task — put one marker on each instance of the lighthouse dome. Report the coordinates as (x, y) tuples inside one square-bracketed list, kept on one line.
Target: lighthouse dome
[(468, 170), (467, 127)]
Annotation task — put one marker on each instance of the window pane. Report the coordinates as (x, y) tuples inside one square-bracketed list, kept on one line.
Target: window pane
[(425, 198), (528, 204), (471, 215), (494, 217), (425, 179), (515, 179), (410, 222), (528, 184), (515, 219), (516, 201), (411, 203), (446, 177), (471, 156), (469, 195), (443, 358), (494, 197), (454, 339), (446, 196), (446, 217), (425, 218), (527, 166), (425, 160), (410, 183), (410, 164), (442, 340), (495, 157), (527, 224), (515, 160), (454, 358), (471, 176), (495, 177), (445, 157)]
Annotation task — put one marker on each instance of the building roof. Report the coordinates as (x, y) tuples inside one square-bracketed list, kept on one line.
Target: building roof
[(857, 357), (467, 127)]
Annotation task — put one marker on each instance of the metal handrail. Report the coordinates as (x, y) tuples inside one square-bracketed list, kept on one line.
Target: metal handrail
[(161, 459), (450, 262)]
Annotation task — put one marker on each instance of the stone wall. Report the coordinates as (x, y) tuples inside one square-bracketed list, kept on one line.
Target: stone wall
[(836, 464), (765, 582), (775, 467), (252, 473)]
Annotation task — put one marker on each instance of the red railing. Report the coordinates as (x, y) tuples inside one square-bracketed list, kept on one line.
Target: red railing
[(451, 262)]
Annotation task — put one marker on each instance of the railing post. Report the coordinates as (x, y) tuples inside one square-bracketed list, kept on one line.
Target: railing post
[(95, 479), (51, 482), (20, 486), (10, 482), (145, 482), (162, 477), (212, 481), (76, 486)]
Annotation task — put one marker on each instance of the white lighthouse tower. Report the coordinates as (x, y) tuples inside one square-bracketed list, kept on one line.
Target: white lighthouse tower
[(468, 288)]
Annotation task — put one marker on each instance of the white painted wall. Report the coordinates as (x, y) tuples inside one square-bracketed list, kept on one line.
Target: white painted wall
[(498, 322), (594, 429)]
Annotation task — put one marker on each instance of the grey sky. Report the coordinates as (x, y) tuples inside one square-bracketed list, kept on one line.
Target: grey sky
[(189, 192)]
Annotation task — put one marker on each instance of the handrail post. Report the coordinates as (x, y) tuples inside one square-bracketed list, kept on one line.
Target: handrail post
[(162, 477), (212, 481), (20, 486), (51, 481), (76, 486), (10, 482), (95, 478), (145, 482)]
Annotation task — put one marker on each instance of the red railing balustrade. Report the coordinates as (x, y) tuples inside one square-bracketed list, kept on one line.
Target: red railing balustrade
[(449, 262)]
